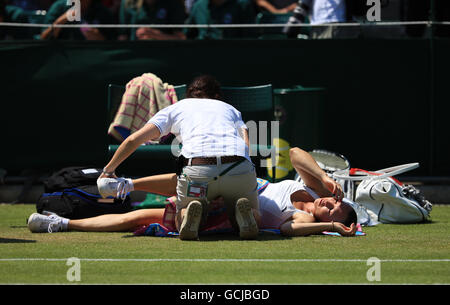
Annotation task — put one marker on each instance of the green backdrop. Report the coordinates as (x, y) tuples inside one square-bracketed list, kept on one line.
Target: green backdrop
[(386, 101)]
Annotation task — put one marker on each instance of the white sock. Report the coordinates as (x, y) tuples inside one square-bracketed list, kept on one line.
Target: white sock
[(130, 181), (64, 224)]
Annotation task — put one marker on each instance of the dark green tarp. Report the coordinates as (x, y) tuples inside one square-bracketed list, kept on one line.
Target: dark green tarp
[(386, 101)]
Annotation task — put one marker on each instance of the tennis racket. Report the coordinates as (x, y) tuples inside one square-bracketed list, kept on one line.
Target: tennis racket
[(330, 161)]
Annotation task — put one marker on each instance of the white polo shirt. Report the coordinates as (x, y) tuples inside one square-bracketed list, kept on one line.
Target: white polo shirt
[(205, 127), (275, 205)]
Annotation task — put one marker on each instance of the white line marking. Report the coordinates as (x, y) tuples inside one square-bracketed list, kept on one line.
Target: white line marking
[(224, 260)]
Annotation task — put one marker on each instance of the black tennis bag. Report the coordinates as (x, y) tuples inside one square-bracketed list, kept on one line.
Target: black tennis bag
[(80, 202), (70, 177), (72, 193)]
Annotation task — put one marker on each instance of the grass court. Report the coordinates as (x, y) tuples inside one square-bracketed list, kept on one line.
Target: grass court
[(408, 254)]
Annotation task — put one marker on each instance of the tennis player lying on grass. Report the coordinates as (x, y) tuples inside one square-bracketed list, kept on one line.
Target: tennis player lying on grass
[(310, 206)]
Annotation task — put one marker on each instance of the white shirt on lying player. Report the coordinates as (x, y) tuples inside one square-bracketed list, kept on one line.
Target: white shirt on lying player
[(275, 205)]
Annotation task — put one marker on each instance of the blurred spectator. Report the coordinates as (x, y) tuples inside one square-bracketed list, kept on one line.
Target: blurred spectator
[(91, 12), (114, 7), (326, 12), (31, 5), (188, 5), (10, 13), (152, 12), (112, 4), (221, 12), (276, 6)]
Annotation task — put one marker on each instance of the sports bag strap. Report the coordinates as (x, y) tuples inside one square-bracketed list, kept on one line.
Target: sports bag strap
[(379, 174)]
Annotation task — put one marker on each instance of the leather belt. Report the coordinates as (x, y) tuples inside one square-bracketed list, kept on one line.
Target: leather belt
[(212, 160)]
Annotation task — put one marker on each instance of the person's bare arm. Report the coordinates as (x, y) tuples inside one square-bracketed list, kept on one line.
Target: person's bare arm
[(156, 34), (304, 225), (131, 143), (53, 32), (312, 175), (93, 34), (290, 7), (267, 5), (304, 229)]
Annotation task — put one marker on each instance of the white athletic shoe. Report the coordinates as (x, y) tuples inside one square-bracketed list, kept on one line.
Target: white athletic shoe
[(191, 221), (114, 187), (38, 223), (248, 229)]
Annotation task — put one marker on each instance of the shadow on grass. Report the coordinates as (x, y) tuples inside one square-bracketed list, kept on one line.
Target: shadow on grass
[(15, 241), (262, 236), (426, 222)]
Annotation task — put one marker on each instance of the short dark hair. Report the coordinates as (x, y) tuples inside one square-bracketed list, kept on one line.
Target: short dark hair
[(204, 86), (351, 215)]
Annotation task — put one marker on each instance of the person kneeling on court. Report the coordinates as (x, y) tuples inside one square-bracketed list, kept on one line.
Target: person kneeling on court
[(214, 158)]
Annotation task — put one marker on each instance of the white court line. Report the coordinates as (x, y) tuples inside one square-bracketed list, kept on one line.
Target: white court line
[(223, 260)]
